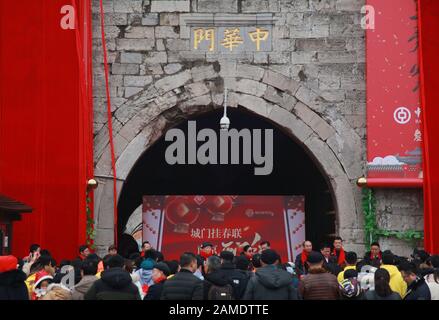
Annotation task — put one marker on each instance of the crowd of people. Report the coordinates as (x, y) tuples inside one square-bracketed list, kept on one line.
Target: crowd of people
[(328, 273)]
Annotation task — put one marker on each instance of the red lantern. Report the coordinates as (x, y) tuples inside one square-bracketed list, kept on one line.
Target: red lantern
[(181, 213), (218, 206)]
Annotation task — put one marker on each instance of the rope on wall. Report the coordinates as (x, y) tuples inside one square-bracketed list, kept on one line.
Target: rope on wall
[(109, 116)]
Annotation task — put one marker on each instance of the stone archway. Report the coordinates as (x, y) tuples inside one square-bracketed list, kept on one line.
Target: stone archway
[(288, 103)]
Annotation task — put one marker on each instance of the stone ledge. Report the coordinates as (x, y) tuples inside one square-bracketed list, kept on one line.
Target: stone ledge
[(210, 19), (170, 6)]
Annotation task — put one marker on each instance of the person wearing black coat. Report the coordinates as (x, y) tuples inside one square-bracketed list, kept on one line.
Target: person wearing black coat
[(238, 279), (374, 256), (329, 262), (115, 283), (12, 280), (300, 262), (271, 282), (184, 285), (417, 288), (155, 291), (216, 277)]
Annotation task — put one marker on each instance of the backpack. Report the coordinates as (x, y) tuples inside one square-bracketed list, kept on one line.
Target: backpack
[(220, 292)]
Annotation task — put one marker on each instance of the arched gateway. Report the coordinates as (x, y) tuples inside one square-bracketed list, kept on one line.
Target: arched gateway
[(308, 149)]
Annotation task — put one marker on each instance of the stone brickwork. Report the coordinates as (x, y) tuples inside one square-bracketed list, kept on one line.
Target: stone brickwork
[(312, 83)]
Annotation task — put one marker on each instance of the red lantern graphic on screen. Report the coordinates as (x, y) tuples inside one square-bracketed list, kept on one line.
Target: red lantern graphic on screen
[(218, 206), (181, 213)]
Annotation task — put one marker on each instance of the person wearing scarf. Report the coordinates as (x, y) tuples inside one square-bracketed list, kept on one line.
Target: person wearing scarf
[(160, 272), (339, 252), (374, 256), (302, 258), (206, 250), (145, 274)]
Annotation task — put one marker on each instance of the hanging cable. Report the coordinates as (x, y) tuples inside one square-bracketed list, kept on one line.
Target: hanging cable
[(110, 123)]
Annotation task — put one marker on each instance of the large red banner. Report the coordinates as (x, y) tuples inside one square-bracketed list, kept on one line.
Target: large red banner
[(175, 224), (429, 44), (45, 120), (394, 145)]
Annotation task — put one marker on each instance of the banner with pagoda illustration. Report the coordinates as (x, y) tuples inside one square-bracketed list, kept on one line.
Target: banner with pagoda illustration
[(175, 224), (394, 138)]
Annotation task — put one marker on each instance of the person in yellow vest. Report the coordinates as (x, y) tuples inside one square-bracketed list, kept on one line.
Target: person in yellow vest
[(397, 282), (351, 263)]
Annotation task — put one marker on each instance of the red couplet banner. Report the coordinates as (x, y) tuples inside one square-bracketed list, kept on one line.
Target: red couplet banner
[(429, 44), (45, 120), (175, 224), (394, 145)]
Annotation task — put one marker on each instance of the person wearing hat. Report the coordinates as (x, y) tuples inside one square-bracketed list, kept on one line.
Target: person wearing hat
[(42, 281), (270, 282), (318, 284), (206, 250), (160, 273), (145, 272), (43, 263), (12, 285), (350, 287)]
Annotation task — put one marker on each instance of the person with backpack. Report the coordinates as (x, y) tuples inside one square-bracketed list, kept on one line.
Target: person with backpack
[(270, 282), (238, 279), (216, 283), (245, 268)]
